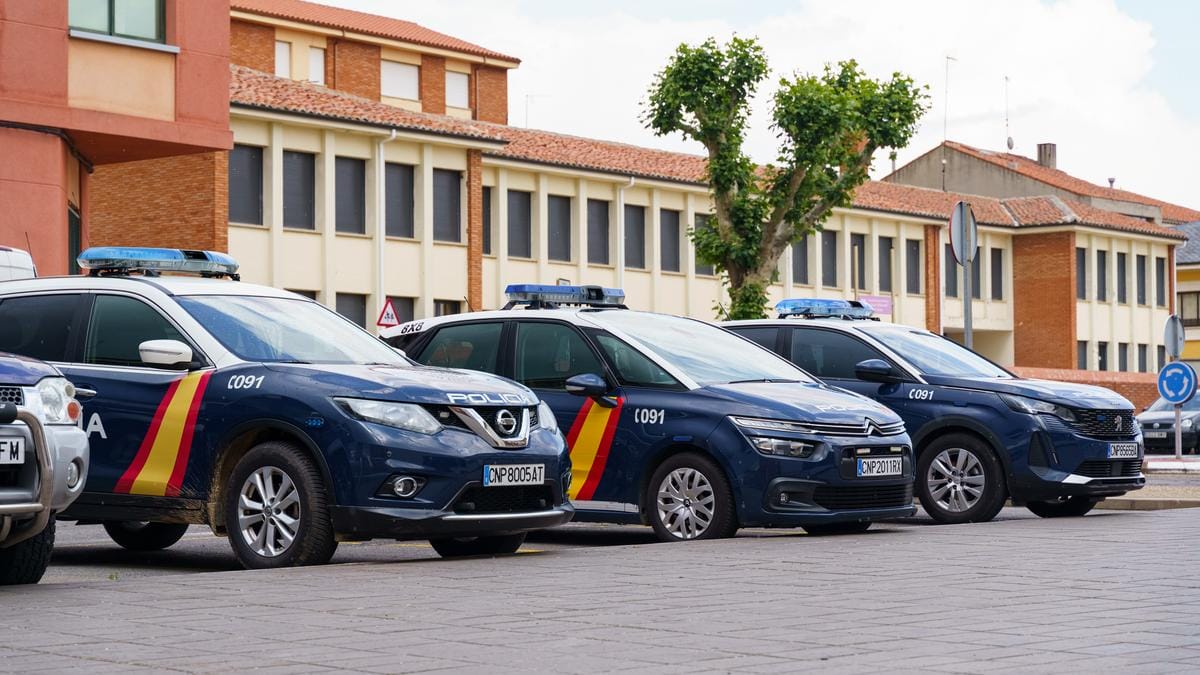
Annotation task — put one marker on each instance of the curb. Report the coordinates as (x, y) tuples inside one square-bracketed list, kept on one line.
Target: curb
[(1146, 504), (1171, 466)]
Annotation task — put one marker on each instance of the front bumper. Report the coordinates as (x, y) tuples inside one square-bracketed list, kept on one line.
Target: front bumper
[(365, 522), (39, 488), (1063, 463), (1168, 443)]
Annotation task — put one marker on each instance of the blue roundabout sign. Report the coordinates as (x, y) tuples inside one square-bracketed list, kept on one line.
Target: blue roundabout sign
[(1177, 383)]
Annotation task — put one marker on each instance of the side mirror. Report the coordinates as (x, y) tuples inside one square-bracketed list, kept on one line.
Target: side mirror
[(876, 370), (587, 384), (166, 354)]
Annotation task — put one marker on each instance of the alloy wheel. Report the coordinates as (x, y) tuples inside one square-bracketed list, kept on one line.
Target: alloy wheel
[(685, 503), (955, 479), (269, 511)]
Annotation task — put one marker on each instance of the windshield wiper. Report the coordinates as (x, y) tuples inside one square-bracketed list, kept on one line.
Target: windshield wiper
[(289, 361), (760, 379)]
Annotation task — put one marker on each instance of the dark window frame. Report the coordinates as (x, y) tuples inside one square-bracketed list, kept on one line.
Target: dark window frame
[(599, 230), (1101, 276), (350, 195), (1160, 281), (309, 196), (675, 239), (829, 258), (1081, 273), (524, 202), (996, 264), (560, 245), (400, 217), (1140, 282), (914, 276), (239, 187), (641, 229), (800, 269), (1122, 278), (886, 266), (444, 221), (485, 205)]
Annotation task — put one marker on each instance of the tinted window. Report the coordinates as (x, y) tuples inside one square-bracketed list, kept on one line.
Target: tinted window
[(38, 326), (885, 264), (1122, 278), (1143, 361), (1160, 282), (829, 259), (762, 335), (398, 188), (858, 246), (447, 205), (446, 307), (635, 236), (1123, 356), (352, 306), (1081, 273), (549, 353), (1102, 276), (702, 223), (669, 239), (1141, 279), (299, 190), (473, 346), (350, 202), (951, 273), (829, 354), (1102, 356), (597, 231), (246, 184), (933, 354), (977, 275), (800, 261), (632, 367), (519, 239), (912, 266), (487, 220), (558, 213), (997, 265), (1081, 354), (118, 325)]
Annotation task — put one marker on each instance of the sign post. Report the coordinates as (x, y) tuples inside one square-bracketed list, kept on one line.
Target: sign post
[(964, 240), (1173, 338)]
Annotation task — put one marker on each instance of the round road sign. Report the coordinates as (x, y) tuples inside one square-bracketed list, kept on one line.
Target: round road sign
[(1177, 383)]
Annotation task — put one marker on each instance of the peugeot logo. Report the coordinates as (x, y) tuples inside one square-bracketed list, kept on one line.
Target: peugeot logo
[(1118, 423), (506, 422)]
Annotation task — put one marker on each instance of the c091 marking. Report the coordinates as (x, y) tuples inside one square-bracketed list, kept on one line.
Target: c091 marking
[(920, 394), (649, 416), (244, 382)]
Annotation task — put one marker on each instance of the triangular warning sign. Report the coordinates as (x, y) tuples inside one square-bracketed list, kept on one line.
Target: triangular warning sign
[(388, 318)]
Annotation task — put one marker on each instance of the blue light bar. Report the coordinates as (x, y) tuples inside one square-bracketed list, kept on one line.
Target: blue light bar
[(817, 307), (593, 296), (124, 259)]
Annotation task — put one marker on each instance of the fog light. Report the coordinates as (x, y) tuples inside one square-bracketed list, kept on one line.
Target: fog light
[(784, 498), (73, 473), (405, 486)]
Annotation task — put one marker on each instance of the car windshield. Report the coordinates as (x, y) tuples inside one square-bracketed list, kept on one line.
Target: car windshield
[(705, 353), (1162, 406), (935, 355), (287, 330)]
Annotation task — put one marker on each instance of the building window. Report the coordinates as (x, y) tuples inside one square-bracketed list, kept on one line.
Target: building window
[(702, 223), (668, 224), (353, 306), (74, 239), (976, 276), (635, 236), (399, 80), (1140, 285), (446, 307), (134, 19), (951, 273), (299, 190), (1122, 278), (399, 220), (458, 87), (520, 226), (447, 205), (1081, 354), (558, 217), (912, 270), (858, 248), (1161, 353), (311, 295), (1123, 356), (800, 261), (316, 65), (997, 269), (1101, 356), (1189, 308), (350, 200), (597, 231), (487, 220), (246, 184), (1143, 358), (1160, 282), (829, 258), (1081, 273), (886, 244), (283, 59), (1102, 276), (404, 308)]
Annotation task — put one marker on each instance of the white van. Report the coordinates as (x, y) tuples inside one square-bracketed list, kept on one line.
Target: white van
[(16, 264)]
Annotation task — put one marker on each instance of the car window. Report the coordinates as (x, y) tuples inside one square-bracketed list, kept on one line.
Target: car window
[(474, 346), (829, 354), (762, 335), (38, 326), (549, 353), (633, 367), (118, 325)]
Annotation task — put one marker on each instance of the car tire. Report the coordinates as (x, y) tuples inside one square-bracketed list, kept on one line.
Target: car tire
[(960, 480), (681, 489), (275, 492), (1064, 507), (26, 562), (141, 536), (830, 529), (458, 547)]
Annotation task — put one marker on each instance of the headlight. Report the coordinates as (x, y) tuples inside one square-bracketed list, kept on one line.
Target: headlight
[(770, 425), (1033, 406), (1186, 424), (405, 416), (546, 418), (58, 401), (781, 447)]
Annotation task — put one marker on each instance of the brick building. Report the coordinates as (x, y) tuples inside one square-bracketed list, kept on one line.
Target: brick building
[(84, 86)]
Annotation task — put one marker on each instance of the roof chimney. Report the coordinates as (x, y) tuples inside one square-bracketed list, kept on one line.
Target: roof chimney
[(1047, 155)]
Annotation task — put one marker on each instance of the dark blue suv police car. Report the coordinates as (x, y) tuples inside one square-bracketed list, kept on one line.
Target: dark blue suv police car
[(982, 435), (677, 423), (276, 421)]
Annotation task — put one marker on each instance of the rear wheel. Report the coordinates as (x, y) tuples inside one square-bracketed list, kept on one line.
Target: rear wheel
[(689, 498), (960, 480), (837, 528), (26, 562), (1063, 507), (457, 547), (141, 536)]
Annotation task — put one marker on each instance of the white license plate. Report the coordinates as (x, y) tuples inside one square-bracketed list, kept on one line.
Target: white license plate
[(1122, 451), (880, 466), (1155, 434), (496, 475), (12, 450)]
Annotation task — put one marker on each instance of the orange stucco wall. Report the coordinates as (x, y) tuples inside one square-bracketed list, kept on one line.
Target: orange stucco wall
[(35, 193)]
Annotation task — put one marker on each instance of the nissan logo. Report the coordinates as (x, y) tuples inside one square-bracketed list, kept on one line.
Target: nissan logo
[(506, 422)]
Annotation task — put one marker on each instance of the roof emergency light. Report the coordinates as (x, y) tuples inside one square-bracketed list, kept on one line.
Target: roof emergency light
[(127, 259), (815, 308), (546, 296)]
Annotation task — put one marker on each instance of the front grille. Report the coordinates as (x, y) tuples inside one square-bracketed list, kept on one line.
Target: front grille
[(866, 428), (506, 499), (487, 413), (844, 498), (12, 395), (1105, 423), (1115, 468)]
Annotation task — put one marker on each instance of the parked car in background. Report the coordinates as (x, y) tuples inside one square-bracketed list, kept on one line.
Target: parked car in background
[(16, 264), (1158, 426)]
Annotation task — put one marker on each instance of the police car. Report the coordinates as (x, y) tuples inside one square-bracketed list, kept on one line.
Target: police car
[(274, 420), (982, 434), (678, 423)]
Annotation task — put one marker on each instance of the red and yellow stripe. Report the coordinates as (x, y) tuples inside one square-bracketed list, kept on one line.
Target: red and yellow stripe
[(590, 438), (161, 461)]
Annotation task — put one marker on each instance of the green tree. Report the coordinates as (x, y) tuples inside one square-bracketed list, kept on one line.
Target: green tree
[(829, 126)]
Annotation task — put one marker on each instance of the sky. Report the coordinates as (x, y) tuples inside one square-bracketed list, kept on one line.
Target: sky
[(1111, 82)]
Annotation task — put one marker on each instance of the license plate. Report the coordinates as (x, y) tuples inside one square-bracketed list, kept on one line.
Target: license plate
[(12, 450), (880, 466), (1122, 451), (1155, 434), (496, 475)]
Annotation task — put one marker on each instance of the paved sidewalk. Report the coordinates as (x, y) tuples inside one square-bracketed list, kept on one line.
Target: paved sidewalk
[(1115, 591)]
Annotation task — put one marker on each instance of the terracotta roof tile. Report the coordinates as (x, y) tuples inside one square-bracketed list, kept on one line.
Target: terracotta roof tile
[(916, 201), (361, 22), (1050, 210)]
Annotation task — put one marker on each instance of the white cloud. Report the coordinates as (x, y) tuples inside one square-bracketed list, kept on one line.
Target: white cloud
[(1077, 68)]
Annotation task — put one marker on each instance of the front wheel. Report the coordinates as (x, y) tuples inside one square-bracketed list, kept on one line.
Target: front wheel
[(26, 562), (140, 536), (458, 547), (837, 528), (960, 480), (689, 498), (1063, 507)]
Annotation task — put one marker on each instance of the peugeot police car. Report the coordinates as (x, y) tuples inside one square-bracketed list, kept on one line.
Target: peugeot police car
[(678, 423), (982, 434), (276, 421)]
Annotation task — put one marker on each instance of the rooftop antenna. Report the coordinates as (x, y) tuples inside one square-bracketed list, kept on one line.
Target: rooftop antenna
[(946, 118), (1112, 182), (1006, 131)]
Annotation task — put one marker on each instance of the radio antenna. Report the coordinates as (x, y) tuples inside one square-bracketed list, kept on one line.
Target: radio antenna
[(1007, 134), (946, 118)]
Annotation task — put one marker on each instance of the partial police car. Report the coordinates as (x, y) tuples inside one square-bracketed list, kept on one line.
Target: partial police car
[(982, 434), (276, 421), (678, 423)]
